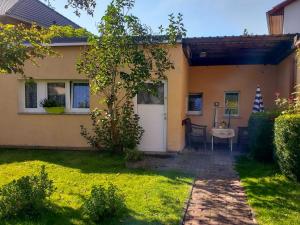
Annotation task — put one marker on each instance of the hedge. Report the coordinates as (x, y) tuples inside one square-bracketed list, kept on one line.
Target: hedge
[(287, 141), (261, 135)]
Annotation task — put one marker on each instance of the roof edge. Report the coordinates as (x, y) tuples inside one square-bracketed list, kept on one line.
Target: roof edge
[(278, 8), (8, 13)]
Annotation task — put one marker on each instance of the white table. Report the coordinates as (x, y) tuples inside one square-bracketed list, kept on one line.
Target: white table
[(222, 133)]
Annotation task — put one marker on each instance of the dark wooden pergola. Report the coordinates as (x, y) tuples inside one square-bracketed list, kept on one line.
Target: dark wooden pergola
[(238, 50)]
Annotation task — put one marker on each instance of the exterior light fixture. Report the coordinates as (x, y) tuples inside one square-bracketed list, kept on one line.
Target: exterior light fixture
[(203, 54)]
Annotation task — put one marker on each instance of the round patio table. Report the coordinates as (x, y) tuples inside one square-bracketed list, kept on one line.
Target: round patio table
[(224, 133)]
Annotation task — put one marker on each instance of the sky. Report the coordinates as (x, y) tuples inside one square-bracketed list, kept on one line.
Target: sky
[(201, 17)]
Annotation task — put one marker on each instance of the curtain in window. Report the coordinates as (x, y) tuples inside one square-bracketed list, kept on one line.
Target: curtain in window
[(30, 95), (57, 93), (81, 95)]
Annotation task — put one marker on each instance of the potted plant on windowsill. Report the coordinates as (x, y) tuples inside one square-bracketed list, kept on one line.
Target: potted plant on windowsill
[(52, 106)]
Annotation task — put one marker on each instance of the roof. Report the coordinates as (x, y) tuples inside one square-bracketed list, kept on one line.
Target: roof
[(238, 50), (33, 11), (278, 9), (69, 41)]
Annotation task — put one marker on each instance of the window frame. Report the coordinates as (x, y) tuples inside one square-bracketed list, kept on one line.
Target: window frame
[(238, 103), (42, 93), (87, 110), (197, 113)]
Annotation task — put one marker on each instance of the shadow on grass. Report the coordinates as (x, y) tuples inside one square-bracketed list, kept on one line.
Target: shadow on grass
[(87, 162), (51, 215), (268, 190), (68, 216)]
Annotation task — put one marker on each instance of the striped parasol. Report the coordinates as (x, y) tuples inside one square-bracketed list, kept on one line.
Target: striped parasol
[(258, 105)]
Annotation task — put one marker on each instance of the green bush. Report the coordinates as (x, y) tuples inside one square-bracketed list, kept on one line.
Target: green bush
[(261, 134), (114, 135), (287, 141), (26, 196), (103, 204), (133, 155)]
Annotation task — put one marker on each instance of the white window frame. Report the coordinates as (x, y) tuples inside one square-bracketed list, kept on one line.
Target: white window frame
[(238, 105), (42, 93), (197, 113), (87, 110)]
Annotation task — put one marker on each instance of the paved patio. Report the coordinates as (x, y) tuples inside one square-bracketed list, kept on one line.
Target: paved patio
[(217, 196)]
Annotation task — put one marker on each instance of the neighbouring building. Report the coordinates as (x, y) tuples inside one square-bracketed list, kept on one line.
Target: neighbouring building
[(284, 18), (207, 70)]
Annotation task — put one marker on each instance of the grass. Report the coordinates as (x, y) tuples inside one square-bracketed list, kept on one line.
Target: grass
[(151, 197), (274, 198)]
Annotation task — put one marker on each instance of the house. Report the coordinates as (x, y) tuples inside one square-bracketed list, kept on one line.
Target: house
[(20, 11), (284, 17), (207, 70)]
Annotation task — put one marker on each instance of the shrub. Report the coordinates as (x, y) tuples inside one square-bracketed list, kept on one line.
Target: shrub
[(287, 141), (26, 196), (133, 155), (103, 204), (261, 134), (117, 134), (49, 103)]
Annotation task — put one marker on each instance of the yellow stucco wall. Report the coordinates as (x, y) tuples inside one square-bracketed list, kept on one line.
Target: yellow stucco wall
[(177, 91), (40, 130), (214, 81), (286, 76), (19, 129)]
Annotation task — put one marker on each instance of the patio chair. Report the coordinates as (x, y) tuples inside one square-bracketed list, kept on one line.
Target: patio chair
[(194, 133), (243, 137)]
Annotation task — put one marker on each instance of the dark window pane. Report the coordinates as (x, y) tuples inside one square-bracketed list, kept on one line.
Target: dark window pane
[(195, 103), (30, 95), (81, 95), (232, 103), (147, 98), (56, 92)]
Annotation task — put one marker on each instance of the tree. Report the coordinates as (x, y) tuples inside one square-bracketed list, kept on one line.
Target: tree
[(19, 44), (118, 63), (79, 5)]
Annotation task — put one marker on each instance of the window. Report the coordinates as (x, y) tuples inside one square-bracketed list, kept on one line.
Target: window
[(74, 96), (80, 95), (232, 103), (195, 103), (30, 95), (57, 93), (146, 98)]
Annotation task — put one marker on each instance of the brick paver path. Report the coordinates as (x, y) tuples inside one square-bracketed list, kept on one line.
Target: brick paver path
[(217, 196)]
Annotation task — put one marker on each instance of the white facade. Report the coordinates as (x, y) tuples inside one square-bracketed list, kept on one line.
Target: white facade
[(291, 22)]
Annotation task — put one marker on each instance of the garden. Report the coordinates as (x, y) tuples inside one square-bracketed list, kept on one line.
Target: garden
[(271, 173), (62, 193)]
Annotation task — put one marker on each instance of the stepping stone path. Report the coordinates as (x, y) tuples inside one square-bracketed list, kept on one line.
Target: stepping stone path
[(217, 196)]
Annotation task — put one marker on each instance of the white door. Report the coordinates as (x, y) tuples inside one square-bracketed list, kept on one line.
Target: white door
[(152, 112)]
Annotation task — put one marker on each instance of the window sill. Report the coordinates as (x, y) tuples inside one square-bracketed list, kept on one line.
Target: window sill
[(232, 117), (194, 114), (50, 114)]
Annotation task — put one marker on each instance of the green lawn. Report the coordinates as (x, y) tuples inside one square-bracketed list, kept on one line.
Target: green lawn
[(275, 199), (151, 197)]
